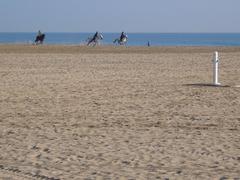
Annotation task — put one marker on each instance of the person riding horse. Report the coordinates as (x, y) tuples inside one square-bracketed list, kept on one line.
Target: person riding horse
[(123, 35), (122, 40), (97, 36), (39, 33), (39, 38)]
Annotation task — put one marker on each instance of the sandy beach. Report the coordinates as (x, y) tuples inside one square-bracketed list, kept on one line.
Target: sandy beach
[(71, 112)]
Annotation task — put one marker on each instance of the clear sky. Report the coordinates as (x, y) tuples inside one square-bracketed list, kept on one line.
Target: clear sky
[(120, 15)]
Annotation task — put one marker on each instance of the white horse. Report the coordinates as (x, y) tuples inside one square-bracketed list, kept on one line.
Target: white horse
[(95, 40), (122, 41)]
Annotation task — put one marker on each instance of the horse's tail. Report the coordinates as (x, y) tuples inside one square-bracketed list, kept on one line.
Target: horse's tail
[(116, 40), (36, 39)]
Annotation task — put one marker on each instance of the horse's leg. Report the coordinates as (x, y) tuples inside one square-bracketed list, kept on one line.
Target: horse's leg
[(89, 42)]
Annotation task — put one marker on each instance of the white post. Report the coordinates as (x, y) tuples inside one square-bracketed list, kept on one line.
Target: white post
[(215, 69)]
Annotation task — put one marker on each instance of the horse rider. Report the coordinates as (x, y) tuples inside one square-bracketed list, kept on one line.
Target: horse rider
[(123, 35), (94, 38), (39, 33), (95, 35)]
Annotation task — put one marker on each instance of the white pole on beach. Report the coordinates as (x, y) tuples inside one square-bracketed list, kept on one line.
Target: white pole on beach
[(215, 69)]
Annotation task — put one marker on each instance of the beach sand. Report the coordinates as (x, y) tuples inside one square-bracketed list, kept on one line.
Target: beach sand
[(70, 112)]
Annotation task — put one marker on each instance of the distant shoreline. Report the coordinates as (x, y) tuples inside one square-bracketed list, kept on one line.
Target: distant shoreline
[(134, 39), (111, 49)]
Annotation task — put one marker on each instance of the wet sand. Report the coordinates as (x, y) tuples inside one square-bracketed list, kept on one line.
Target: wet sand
[(71, 112)]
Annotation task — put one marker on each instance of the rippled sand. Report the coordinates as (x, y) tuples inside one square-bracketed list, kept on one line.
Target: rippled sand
[(71, 112)]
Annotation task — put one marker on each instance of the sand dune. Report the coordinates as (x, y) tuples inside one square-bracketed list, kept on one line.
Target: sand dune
[(69, 112)]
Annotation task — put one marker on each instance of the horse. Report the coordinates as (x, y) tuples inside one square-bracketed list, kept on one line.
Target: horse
[(122, 41), (94, 40), (39, 39)]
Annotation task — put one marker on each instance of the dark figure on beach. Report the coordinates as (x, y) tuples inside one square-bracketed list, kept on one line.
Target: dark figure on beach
[(40, 38), (122, 40), (95, 39), (148, 44)]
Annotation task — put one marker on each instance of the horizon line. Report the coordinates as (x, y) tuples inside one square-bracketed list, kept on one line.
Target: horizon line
[(124, 31)]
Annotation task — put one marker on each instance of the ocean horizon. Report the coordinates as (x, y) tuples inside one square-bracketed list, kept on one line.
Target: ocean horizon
[(134, 39)]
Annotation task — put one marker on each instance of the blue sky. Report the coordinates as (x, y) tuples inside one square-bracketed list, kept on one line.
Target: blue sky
[(115, 16)]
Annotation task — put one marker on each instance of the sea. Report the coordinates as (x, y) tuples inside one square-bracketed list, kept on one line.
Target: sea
[(134, 39)]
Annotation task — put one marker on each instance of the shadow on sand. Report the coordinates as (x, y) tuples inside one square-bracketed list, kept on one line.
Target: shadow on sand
[(206, 85)]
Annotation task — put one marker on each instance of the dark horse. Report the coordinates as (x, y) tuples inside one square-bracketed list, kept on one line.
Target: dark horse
[(39, 39)]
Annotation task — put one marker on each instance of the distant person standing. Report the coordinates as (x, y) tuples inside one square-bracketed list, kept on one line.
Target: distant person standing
[(148, 44)]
